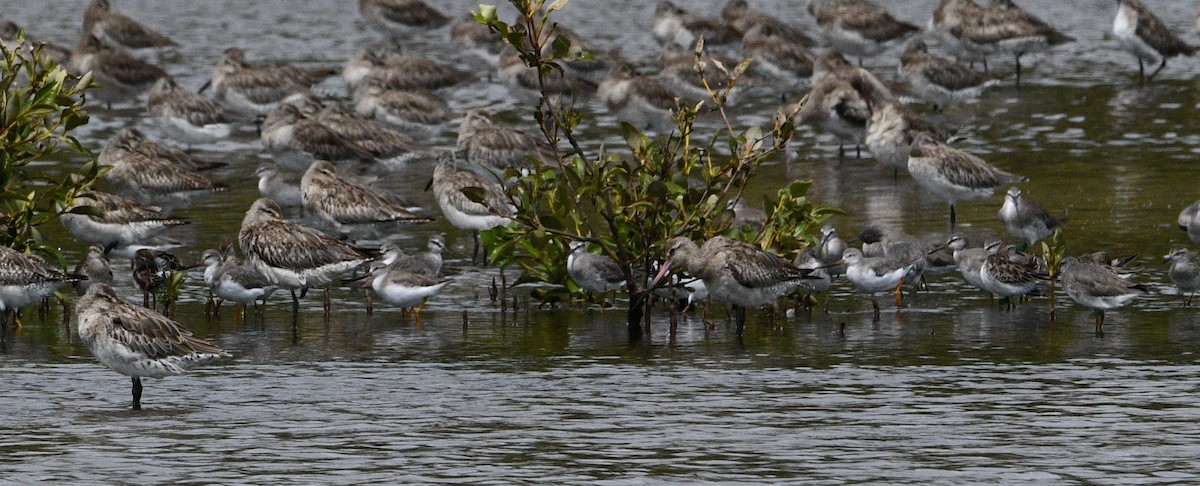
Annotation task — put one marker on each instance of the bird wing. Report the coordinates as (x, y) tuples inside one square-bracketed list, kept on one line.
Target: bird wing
[(754, 267), (154, 336), (281, 243), (130, 33), (128, 70), (1152, 30)]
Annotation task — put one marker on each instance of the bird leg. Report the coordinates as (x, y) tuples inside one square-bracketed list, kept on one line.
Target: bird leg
[(137, 393), (3, 324), (370, 305), (326, 303), (295, 306), (875, 306), (741, 319), (419, 308), (1018, 57), (841, 152), (857, 151), (1161, 65), (1141, 70), (953, 217), (898, 294)]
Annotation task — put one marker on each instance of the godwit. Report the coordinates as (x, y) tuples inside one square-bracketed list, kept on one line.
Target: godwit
[(122, 76), (744, 19), (292, 256), (187, 116), (449, 185), (952, 174), (390, 148), (858, 27), (26, 280), (344, 203), (296, 140), (115, 221), (1142, 34), (417, 113), (389, 69), (251, 92), (488, 145), (775, 58), (739, 273), (673, 25), (939, 80), (131, 140), (120, 32), (401, 19), (641, 101), (137, 342)]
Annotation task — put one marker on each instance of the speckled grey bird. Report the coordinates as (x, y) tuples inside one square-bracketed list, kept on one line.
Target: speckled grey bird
[(381, 66), (1093, 286), (296, 140), (120, 77), (673, 25), (114, 221), (186, 116), (744, 19), (344, 203), (158, 181), (50, 51), (499, 148), (26, 280), (1025, 219), (638, 100), (830, 250), (952, 174), (594, 273), (522, 81), (292, 256), (417, 113), (401, 19), (251, 92), (392, 150), (130, 139), (1184, 271), (859, 28), (450, 182), (1005, 28), (137, 342), (1146, 37), (775, 58), (941, 81), (117, 31), (95, 267), (892, 129)]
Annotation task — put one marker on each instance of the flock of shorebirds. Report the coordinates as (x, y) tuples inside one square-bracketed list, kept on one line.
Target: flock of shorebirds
[(321, 147)]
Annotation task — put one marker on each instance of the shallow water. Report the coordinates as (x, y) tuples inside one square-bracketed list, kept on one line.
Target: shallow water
[(950, 390)]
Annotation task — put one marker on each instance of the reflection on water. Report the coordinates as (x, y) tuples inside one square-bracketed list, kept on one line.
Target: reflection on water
[(950, 390)]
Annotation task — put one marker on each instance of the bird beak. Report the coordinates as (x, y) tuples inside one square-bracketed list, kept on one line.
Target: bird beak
[(205, 86), (662, 272), (940, 248)]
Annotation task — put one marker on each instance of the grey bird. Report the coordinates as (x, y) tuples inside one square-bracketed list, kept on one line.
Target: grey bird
[(594, 273), (1094, 286), (1025, 219), (1184, 271), (95, 267)]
